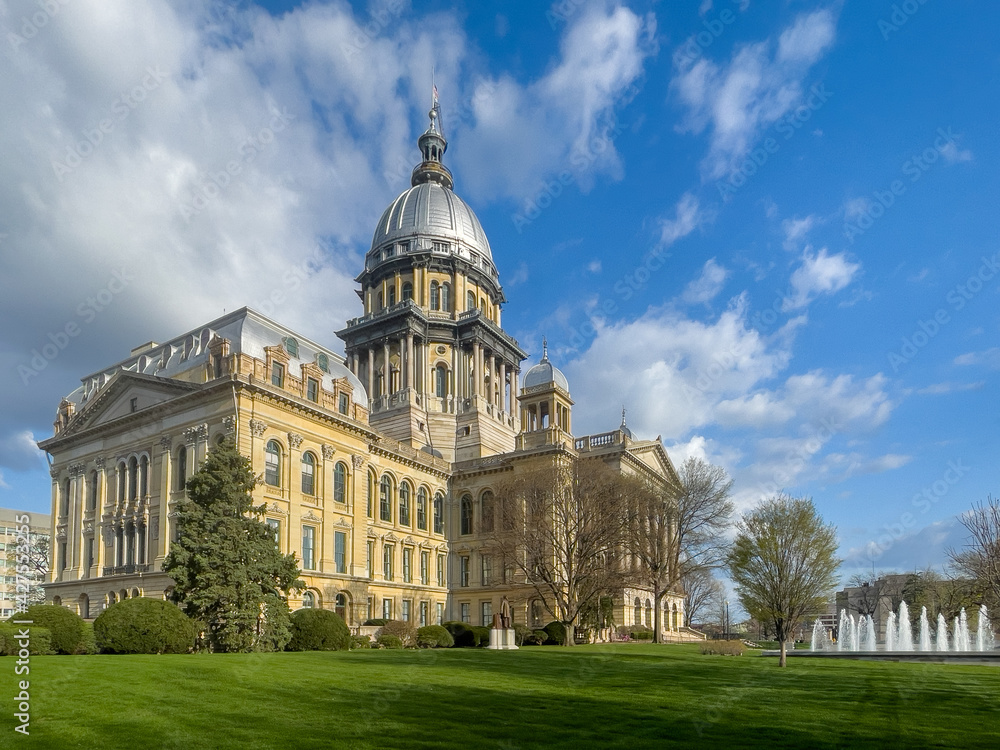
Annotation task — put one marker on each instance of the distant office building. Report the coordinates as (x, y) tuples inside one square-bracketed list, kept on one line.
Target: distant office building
[(36, 548)]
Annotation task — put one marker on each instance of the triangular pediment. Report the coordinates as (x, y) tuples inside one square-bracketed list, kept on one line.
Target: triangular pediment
[(127, 393), (654, 455)]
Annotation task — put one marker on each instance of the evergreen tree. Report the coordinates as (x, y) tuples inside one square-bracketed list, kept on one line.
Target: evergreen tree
[(228, 571)]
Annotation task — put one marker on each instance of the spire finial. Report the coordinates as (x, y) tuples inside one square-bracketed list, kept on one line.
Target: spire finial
[(545, 349), (623, 416)]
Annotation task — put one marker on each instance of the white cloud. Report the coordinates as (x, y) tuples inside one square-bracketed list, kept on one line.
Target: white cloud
[(941, 389), (19, 452), (988, 358), (3, 484), (687, 217), (953, 155), (796, 229), (708, 285), (819, 274), (759, 85), (594, 266)]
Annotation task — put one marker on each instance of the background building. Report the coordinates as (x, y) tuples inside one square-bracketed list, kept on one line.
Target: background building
[(37, 549)]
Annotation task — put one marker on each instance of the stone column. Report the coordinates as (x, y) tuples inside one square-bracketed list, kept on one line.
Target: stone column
[(477, 368), (409, 360), (456, 389), (504, 398), (371, 374), (386, 368)]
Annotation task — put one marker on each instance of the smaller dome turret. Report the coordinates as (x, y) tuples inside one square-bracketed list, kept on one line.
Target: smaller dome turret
[(545, 372)]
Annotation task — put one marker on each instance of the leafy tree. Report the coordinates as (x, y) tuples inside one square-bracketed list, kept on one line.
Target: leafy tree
[(228, 571), (563, 529), (783, 563), (680, 529), (979, 559)]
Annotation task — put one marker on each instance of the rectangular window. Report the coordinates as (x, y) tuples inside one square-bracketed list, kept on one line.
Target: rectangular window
[(312, 389), (308, 541), (62, 555), (425, 568), (466, 614), (370, 566), (90, 553), (440, 570), (340, 551), (407, 566), (278, 374), (387, 562), (440, 612), (344, 406), (486, 570), (486, 610), (463, 570), (371, 608), (387, 609), (405, 612)]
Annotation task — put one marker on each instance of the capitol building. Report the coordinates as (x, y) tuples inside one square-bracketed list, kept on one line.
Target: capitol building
[(377, 467)]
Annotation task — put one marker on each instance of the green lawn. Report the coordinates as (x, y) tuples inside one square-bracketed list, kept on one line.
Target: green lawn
[(627, 696)]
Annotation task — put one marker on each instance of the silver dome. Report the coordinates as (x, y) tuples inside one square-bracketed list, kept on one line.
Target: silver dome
[(431, 212), (545, 373)]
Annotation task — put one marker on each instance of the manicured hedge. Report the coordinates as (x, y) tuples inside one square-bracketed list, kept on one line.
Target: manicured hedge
[(404, 630), (40, 640), (361, 641), (387, 640), (461, 633), (65, 626), (535, 638), (318, 630), (375, 621), (482, 635), (434, 636), (144, 626), (555, 633), (640, 634)]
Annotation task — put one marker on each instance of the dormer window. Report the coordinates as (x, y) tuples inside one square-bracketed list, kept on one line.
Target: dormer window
[(278, 374), (323, 362), (291, 346)]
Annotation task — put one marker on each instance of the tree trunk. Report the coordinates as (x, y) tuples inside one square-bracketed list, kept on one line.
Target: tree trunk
[(781, 659), (656, 616), (570, 634)]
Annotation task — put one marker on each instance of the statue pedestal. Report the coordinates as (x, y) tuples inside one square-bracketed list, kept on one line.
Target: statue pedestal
[(502, 639)]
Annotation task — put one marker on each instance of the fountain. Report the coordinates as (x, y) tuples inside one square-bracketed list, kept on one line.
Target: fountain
[(942, 633), (984, 633), (925, 631), (869, 638), (820, 640), (961, 634), (891, 633)]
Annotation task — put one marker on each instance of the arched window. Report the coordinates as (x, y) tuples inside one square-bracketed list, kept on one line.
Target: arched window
[(439, 513), (308, 474), (133, 477), (340, 483), (340, 606), (466, 527), (308, 600), (92, 491), (144, 476), (180, 478), (385, 498), (380, 305), (440, 381), (371, 495), (391, 296), (470, 301), (84, 606), (64, 500), (407, 291), (422, 509), (120, 476), (404, 504), (638, 612), (488, 511), (649, 614), (446, 297), (272, 463), (435, 296), (140, 533), (130, 543)]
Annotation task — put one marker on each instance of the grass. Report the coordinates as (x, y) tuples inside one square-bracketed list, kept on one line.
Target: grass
[(627, 695)]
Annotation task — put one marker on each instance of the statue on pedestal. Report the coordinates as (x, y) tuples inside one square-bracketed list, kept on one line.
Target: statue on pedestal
[(505, 614)]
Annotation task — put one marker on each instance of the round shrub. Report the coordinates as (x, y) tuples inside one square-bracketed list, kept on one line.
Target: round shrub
[(88, 644), (461, 633), (40, 640), (374, 621), (555, 633), (520, 633), (361, 641), (66, 627), (318, 630), (434, 636), (481, 635), (405, 631), (387, 640), (144, 626)]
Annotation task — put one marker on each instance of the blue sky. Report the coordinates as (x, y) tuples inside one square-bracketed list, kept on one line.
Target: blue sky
[(766, 228)]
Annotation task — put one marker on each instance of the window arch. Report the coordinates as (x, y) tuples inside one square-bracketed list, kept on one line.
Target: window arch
[(441, 381), (407, 291), (308, 473), (470, 301), (446, 297), (435, 296), (340, 606), (439, 513), (143, 476), (488, 511), (649, 614), (638, 612), (64, 500), (180, 479), (391, 295), (404, 504), (308, 600), (380, 305), (385, 498), (422, 509), (466, 513), (133, 478), (371, 494), (272, 463), (92, 491), (340, 482)]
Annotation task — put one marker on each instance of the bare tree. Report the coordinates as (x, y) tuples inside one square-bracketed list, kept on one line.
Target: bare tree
[(562, 528), (702, 592), (680, 529), (979, 559), (784, 563), (31, 560)]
